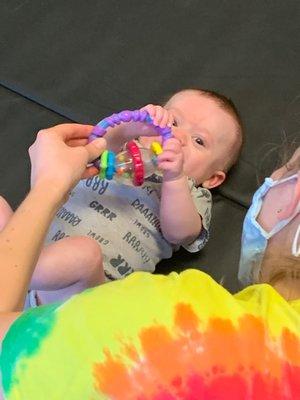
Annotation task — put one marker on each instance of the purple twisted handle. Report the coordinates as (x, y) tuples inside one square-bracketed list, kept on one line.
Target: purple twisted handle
[(127, 116)]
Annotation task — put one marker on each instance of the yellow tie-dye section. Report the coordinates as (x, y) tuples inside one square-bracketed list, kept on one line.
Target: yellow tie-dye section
[(157, 337)]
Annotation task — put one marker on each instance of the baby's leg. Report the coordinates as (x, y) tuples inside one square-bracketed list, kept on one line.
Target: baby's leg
[(67, 267), (5, 212)]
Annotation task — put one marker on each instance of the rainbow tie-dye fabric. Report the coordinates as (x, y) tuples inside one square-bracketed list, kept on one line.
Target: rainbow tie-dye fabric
[(153, 337)]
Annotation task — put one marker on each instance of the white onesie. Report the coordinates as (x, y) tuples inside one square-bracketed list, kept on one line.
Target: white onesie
[(124, 220)]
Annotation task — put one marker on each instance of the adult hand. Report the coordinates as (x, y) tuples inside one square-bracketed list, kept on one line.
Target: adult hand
[(60, 156)]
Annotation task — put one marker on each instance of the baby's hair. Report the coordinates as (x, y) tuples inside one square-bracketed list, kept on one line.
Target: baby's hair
[(228, 105)]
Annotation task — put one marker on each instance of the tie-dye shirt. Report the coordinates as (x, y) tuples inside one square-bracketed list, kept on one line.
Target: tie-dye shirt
[(153, 337)]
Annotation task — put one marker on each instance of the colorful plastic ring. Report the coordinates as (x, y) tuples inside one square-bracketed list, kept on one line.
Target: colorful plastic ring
[(128, 116), (156, 148), (138, 166), (103, 164), (111, 169)]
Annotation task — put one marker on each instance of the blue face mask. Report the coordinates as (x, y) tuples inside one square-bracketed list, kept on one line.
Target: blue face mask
[(255, 238)]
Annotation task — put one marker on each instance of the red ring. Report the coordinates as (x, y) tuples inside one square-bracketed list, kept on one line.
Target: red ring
[(138, 166)]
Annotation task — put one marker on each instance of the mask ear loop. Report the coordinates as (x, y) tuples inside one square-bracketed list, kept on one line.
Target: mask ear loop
[(294, 203), (295, 251)]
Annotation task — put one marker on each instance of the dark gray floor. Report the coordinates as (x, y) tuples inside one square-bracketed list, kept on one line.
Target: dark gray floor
[(21, 119), (75, 60)]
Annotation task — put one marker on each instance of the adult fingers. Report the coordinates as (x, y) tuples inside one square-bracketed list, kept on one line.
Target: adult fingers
[(71, 131), (90, 172), (95, 148), (77, 142)]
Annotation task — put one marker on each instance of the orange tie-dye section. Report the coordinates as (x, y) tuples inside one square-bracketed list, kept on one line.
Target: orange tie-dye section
[(220, 362)]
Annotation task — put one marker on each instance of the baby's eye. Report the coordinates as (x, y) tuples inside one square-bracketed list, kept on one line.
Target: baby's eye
[(198, 140), (175, 122)]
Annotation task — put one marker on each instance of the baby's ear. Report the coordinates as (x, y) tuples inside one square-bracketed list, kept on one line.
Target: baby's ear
[(215, 180)]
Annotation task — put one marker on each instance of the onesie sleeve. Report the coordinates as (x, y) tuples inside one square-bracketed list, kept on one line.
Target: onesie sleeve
[(203, 202)]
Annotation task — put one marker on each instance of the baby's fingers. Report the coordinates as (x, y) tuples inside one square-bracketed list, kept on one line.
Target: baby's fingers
[(159, 115), (150, 108), (89, 172), (164, 120), (170, 119)]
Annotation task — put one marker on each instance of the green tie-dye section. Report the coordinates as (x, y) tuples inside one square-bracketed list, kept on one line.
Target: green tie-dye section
[(35, 325)]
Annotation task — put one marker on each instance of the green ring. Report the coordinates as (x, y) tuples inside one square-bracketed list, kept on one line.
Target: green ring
[(103, 164)]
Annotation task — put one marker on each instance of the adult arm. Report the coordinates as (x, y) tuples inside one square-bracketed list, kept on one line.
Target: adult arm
[(21, 242), (59, 158)]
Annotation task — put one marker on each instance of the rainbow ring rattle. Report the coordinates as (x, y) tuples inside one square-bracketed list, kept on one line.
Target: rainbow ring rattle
[(134, 163)]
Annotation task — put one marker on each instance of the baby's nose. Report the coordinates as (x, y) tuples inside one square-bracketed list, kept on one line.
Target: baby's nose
[(181, 135)]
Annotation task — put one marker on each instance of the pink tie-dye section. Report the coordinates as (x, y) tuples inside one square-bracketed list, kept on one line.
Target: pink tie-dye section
[(222, 362)]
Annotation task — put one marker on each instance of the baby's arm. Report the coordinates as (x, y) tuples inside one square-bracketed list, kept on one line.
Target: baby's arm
[(180, 220)]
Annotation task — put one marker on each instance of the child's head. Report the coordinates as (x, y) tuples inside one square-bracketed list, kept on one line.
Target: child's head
[(210, 130), (271, 254), (280, 266)]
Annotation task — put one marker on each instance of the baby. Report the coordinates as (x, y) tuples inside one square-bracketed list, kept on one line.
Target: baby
[(136, 227)]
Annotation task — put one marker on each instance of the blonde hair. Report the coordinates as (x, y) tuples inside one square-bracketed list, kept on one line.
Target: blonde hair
[(284, 277), (278, 155)]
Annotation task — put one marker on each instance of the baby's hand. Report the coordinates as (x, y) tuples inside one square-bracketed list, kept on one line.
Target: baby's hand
[(160, 116), (170, 161)]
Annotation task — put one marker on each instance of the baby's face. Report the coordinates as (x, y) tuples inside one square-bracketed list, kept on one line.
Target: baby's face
[(205, 130)]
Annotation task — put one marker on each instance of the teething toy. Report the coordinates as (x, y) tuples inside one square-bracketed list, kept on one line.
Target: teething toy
[(135, 163), (131, 165)]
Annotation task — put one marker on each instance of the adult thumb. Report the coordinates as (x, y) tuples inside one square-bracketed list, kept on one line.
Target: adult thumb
[(95, 148)]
